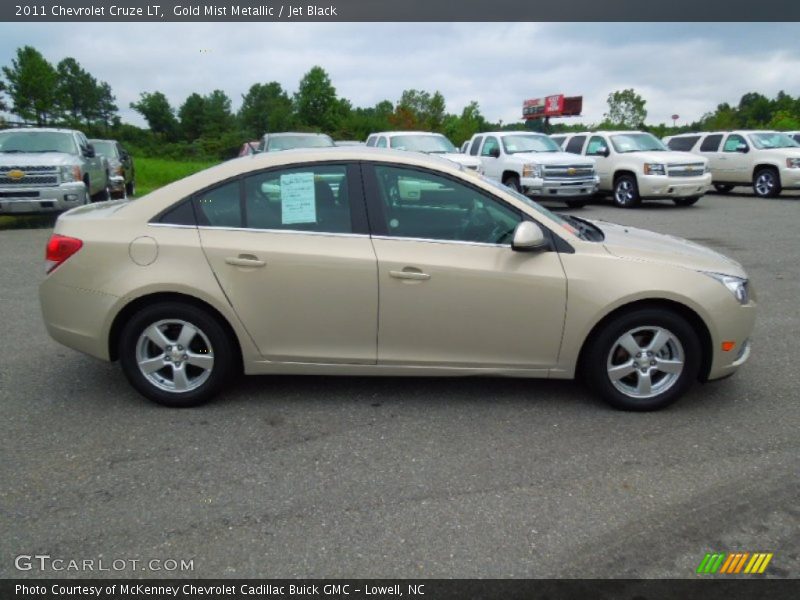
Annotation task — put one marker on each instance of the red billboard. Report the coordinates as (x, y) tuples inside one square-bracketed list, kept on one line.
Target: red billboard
[(556, 105)]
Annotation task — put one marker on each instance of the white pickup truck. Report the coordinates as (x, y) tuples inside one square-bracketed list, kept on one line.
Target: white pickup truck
[(423, 141), (49, 170), (533, 164)]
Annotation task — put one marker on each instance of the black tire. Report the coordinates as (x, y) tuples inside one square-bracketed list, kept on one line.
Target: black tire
[(512, 181), (575, 203), (767, 183), (130, 187), (211, 339), (626, 192), (598, 359), (103, 195), (686, 201), (722, 188)]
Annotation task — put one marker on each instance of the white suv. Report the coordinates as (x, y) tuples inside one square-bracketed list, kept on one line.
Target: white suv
[(767, 160), (635, 166)]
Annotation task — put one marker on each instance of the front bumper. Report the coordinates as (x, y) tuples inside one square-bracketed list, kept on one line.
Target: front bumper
[(732, 326), (790, 178), (660, 186), (116, 183), (559, 188), (19, 200)]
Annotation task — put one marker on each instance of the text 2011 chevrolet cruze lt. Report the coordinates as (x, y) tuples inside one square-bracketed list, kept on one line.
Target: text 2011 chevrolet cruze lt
[(359, 261)]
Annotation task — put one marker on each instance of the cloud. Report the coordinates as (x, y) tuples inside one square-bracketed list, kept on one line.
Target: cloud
[(679, 68)]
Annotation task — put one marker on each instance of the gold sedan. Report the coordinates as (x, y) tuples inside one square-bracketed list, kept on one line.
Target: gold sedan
[(360, 261)]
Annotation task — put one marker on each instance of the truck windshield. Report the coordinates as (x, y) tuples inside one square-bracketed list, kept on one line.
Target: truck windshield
[(430, 144), (637, 142), (37, 141), (529, 143), (767, 141), (289, 142)]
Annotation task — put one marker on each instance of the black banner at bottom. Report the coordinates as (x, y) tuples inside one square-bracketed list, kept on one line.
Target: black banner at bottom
[(387, 589)]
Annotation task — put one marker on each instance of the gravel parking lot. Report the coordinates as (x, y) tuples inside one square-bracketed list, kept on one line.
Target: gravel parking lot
[(348, 477)]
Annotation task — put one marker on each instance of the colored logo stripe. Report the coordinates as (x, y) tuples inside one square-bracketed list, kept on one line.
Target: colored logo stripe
[(734, 562)]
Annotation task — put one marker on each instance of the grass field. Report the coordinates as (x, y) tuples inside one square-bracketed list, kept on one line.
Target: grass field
[(151, 174)]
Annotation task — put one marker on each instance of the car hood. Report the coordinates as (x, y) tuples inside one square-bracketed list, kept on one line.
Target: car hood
[(35, 159), (552, 158), (643, 245)]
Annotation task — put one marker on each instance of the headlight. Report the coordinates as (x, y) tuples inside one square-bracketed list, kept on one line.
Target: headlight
[(532, 170), (793, 163), (736, 285), (71, 173), (655, 169)]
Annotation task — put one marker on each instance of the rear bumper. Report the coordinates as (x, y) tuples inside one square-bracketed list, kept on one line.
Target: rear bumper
[(33, 200)]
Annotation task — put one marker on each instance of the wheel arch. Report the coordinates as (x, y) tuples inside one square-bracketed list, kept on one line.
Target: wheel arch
[(624, 171), (695, 321), (758, 167), (137, 304), (510, 173)]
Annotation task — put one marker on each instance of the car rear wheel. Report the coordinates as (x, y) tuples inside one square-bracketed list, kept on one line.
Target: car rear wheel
[(643, 360), (176, 354), (722, 188), (767, 183), (686, 201), (626, 192)]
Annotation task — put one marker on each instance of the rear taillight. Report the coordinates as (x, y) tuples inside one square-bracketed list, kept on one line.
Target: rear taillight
[(59, 249)]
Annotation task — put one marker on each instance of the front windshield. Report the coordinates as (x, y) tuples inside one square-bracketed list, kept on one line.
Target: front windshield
[(768, 141), (289, 142), (534, 205), (529, 143), (103, 148), (637, 142), (430, 144), (37, 141)]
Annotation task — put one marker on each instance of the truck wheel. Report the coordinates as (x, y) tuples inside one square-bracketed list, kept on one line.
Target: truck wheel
[(686, 201), (130, 187), (767, 183), (512, 181), (626, 192), (643, 360), (103, 195), (722, 188)]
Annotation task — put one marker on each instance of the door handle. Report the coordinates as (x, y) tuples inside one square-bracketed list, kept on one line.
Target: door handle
[(413, 275), (244, 260)]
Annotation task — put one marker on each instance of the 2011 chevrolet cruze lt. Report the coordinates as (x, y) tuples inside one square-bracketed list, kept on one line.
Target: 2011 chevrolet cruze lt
[(359, 261)]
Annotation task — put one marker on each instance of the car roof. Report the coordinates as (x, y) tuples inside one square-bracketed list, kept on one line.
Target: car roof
[(40, 129), (287, 133), (393, 133)]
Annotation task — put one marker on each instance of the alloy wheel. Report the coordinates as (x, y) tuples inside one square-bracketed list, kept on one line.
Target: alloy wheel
[(645, 362)]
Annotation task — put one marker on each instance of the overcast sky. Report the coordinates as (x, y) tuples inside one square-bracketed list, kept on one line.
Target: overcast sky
[(678, 68)]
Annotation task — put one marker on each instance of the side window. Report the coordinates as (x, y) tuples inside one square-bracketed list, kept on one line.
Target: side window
[(683, 144), (796, 137), (180, 214), (490, 144), (711, 143), (476, 143), (219, 206), (575, 144), (596, 146), (423, 205), (733, 143), (371, 141), (381, 143), (312, 198)]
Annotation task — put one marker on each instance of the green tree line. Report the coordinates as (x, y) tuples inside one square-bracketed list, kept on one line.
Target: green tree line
[(207, 127)]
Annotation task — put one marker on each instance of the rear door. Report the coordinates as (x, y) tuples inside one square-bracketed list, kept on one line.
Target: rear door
[(710, 148), (290, 249)]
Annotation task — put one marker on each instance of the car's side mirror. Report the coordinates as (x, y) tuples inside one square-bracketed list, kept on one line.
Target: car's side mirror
[(528, 236), (88, 152), (495, 152), (742, 148), (604, 151)]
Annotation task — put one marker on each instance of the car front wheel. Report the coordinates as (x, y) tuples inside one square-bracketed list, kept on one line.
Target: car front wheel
[(626, 192), (512, 181), (176, 354), (643, 360), (767, 183)]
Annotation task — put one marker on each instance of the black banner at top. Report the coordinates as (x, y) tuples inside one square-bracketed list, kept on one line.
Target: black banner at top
[(399, 10)]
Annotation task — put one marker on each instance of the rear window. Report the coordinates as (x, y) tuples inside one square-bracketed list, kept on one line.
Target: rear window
[(476, 143), (683, 144)]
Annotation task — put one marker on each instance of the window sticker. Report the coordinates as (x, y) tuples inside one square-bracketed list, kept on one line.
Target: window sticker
[(298, 202)]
